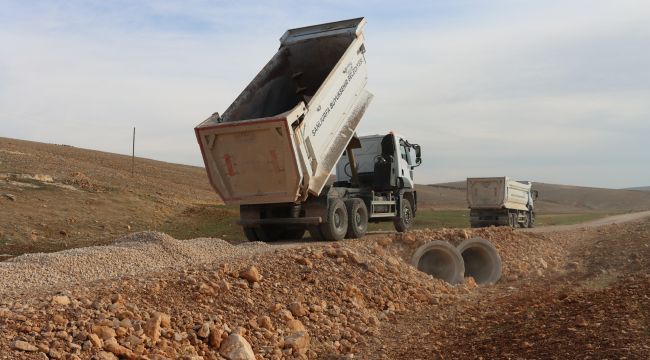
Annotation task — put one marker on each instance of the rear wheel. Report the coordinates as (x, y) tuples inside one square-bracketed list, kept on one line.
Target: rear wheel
[(250, 234), (293, 233), (526, 222), (267, 233), (404, 221), (336, 225), (512, 220), (357, 218), (314, 232)]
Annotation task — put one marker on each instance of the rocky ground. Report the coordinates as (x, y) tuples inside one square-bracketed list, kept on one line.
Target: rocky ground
[(573, 294)]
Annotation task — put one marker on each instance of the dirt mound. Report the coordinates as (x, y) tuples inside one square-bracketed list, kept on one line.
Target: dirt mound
[(335, 300), (312, 301)]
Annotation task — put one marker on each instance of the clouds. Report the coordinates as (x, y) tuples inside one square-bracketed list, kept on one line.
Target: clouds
[(561, 88), (531, 90)]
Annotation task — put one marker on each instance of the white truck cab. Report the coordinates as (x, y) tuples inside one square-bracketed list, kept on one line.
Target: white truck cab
[(402, 155)]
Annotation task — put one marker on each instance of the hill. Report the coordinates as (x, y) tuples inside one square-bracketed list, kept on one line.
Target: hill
[(640, 188), (54, 197), (58, 196), (553, 198)]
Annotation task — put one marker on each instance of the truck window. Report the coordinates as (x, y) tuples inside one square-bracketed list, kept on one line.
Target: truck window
[(404, 153)]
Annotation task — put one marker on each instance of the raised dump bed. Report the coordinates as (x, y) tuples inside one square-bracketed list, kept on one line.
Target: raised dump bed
[(282, 136), (497, 193)]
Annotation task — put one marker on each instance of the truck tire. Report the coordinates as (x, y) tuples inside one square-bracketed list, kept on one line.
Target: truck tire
[(292, 233), (314, 232), (250, 234), (404, 221), (526, 222), (268, 233), (357, 218), (531, 219), (336, 225), (512, 220)]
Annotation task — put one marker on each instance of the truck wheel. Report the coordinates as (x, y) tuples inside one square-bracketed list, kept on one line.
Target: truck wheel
[(531, 219), (292, 234), (512, 220), (314, 232), (357, 218), (268, 233), (404, 221), (337, 221), (526, 222), (250, 234)]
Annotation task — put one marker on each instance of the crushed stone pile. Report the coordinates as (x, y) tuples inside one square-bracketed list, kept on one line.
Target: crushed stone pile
[(289, 303), (133, 254), (343, 300)]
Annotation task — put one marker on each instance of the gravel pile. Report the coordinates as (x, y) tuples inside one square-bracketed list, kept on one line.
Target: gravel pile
[(134, 254), (342, 300), (321, 300)]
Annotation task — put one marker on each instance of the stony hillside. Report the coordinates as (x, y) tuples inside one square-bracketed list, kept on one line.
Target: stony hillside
[(57, 196)]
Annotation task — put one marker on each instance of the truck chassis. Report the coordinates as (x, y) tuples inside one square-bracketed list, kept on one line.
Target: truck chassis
[(503, 217)]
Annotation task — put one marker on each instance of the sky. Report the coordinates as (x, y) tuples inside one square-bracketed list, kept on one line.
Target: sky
[(548, 91)]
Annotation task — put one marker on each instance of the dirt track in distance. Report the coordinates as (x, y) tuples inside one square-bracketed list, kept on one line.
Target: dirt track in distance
[(615, 219)]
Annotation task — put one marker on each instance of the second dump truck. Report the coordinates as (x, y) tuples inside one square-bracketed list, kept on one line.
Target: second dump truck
[(501, 201), (273, 150)]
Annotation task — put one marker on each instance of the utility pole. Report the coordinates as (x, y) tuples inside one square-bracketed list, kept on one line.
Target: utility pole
[(133, 154)]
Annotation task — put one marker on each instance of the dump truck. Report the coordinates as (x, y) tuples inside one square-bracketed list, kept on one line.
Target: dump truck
[(501, 201), (273, 150)]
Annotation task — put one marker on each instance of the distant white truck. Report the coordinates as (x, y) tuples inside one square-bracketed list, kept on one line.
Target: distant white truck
[(273, 150), (500, 201)]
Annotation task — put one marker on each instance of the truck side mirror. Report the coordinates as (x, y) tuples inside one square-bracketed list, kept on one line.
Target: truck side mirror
[(418, 154), (535, 194)]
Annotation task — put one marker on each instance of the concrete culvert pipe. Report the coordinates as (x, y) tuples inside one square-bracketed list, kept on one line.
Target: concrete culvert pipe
[(482, 261), (441, 260)]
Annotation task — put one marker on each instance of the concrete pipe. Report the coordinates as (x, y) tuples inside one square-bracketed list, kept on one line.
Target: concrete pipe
[(441, 260), (482, 261)]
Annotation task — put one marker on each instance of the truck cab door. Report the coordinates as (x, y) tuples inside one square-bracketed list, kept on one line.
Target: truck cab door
[(404, 163)]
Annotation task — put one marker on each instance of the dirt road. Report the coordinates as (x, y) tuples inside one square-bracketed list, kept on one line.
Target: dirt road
[(616, 219)]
